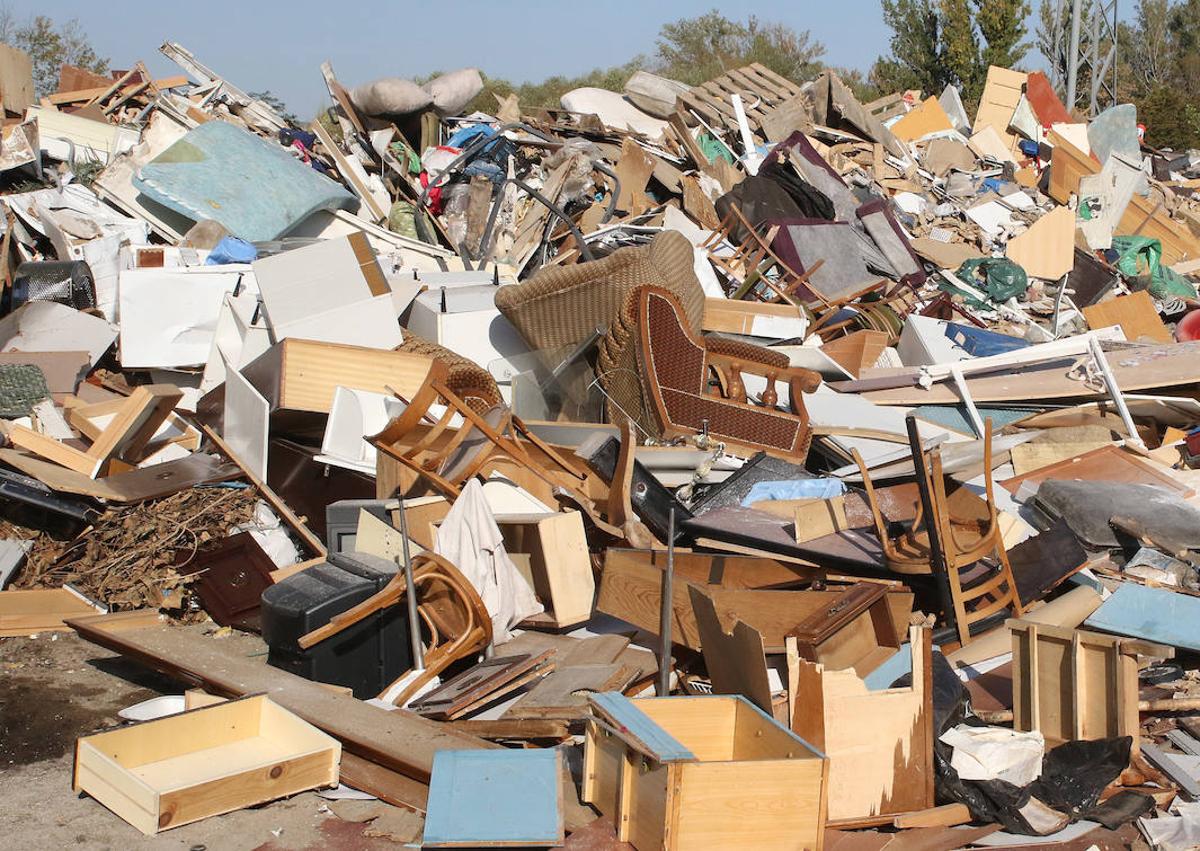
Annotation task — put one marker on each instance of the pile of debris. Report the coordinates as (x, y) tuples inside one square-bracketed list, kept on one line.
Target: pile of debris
[(867, 431)]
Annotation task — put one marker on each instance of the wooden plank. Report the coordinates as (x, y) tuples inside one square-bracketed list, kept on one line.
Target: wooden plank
[(1164, 762), (60, 98), (137, 485), (346, 166), (752, 318), (399, 740), (1139, 369), (1134, 313), (562, 695), (26, 611), (947, 815), (734, 658)]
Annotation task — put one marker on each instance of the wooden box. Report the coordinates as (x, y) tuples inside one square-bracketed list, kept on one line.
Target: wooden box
[(702, 773), (179, 769), (559, 567)]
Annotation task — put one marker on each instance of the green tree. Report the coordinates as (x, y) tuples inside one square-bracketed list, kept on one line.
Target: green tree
[(915, 60), (272, 100), (49, 46), (935, 42), (1184, 28), (693, 50), (1172, 118), (1148, 45), (960, 49), (1002, 25)]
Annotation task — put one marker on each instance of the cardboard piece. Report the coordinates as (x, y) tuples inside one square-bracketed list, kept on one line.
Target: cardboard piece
[(1047, 249)]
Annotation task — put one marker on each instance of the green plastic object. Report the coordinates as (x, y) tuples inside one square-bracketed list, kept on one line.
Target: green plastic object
[(999, 277), (1140, 257), (713, 149)]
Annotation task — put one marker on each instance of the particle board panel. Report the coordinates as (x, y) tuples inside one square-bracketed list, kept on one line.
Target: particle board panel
[(1159, 615), (559, 563), (1106, 464), (734, 658), (754, 319), (1134, 313), (879, 743), (495, 799), (1047, 249), (16, 79), (301, 375), (26, 611)]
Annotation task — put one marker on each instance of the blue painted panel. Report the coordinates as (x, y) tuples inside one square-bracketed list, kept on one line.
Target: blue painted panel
[(658, 741), (255, 188), (1153, 614), (497, 796)]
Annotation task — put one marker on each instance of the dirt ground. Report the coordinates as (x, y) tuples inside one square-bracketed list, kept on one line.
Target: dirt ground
[(56, 687)]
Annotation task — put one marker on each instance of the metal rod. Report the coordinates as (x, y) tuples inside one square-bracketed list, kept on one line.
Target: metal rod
[(666, 612), (1073, 53), (414, 623), (1114, 390), (937, 558)]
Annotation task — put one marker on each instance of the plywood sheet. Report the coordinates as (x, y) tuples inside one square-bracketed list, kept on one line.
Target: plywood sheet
[(1106, 464), (923, 119)]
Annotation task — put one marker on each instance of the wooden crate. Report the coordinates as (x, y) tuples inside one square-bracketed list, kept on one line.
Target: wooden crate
[(171, 771), (685, 773)]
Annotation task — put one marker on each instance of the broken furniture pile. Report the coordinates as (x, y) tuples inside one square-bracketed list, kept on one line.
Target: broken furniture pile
[(866, 431)]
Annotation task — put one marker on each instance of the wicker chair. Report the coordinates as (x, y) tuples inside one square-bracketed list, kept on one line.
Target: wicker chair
[(677, 367), (561, 306)]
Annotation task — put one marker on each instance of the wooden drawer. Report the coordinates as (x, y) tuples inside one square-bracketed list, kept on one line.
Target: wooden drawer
[(204, 762), (685, 773)]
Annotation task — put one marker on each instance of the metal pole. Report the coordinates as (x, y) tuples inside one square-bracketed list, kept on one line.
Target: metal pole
[(937, 560), (414, 623), (1073, 52), (666, 611)]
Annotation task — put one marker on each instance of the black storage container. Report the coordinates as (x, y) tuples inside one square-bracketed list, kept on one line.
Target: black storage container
[(365, 657)]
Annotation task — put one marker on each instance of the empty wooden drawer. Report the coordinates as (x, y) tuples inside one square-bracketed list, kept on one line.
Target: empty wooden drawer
[(204, 762), (707, 773)]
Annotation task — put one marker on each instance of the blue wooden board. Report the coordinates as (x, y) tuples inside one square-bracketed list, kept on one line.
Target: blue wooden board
[(1153, 614), (255, 188), (664, 746), (892, 669), (509, 798)]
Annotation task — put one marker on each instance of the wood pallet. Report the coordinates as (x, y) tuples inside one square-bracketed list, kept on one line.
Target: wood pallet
[(763, 92)]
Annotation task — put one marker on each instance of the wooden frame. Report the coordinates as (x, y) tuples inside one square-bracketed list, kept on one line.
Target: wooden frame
[(216, 759), (133, 425), (1074, 684)]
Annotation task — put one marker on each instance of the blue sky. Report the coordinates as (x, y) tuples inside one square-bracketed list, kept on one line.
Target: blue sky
[(266, 44)]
